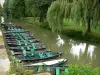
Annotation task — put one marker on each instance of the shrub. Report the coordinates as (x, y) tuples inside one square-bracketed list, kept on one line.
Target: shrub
[(32, 20), (45, 25), (16, 68), (81, 70)]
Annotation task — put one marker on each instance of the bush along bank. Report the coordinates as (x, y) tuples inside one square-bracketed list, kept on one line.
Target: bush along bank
[(35, 21), (45, 25), (81, 70)]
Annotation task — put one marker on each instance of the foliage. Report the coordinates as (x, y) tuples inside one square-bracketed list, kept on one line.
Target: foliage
[(32, 20), (14, 8), (18, 8), (0, 10), (75, 33), (16, 68), (37, 8), (10, 56), (68, 22), (55, 16), (5, 9), (79, 11), (35, 21), (26, 8), (81, 70), (45, 25)]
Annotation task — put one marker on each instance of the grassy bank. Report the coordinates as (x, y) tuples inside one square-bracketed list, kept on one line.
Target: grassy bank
[(92, 37), (36, 22)]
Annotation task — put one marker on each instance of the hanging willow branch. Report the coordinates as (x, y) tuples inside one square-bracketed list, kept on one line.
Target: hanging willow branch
[(79, 11)]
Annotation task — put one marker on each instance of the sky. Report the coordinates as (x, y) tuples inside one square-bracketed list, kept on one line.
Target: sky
[(1, 2)]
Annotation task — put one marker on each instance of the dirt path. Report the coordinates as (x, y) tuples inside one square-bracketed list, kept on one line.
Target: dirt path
[(45, 73), (4, 61)]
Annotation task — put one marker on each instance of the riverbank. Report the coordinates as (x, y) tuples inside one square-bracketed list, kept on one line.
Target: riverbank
[(91, 37), (72, 31)]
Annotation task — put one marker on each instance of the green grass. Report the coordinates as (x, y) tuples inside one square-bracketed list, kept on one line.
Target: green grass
[(67, 22), (32, 20), (76, 33), (1, 39)]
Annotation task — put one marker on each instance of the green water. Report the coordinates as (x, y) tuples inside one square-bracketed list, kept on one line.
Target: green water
[(76, 51)]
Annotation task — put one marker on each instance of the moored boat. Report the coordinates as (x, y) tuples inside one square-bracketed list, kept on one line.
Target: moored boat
[(22, 43), (16, 31), (20, 38), (38, 56), (54, 62), (36, 46)]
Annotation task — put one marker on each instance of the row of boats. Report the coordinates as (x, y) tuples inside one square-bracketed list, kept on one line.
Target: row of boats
[(26, 48)]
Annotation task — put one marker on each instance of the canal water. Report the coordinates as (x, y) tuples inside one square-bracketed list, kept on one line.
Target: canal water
[(76, 51)]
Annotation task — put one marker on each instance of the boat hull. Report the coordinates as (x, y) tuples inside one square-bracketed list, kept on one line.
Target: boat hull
[(23, 58), (54, 62)]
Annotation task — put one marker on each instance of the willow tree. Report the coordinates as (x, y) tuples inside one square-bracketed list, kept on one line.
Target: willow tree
[(79, 11)]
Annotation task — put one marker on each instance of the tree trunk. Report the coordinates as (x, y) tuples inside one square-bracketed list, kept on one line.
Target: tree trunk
[(89, 25)]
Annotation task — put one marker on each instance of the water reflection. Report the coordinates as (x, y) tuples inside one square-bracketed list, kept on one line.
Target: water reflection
[(71, 41), (2, 19), (76, 50), (91, 49), (81, 49), (60, 41)]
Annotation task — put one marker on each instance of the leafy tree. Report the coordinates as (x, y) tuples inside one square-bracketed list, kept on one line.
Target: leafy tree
[(37, 8), (18, 9), (27, 8), (16, 68), (5, 8), (14, 8), (0, 10), (79, 11), (31, 10)]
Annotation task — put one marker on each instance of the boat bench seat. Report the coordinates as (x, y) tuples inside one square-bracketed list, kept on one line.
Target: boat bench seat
[(41, 55), (48, 54)]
